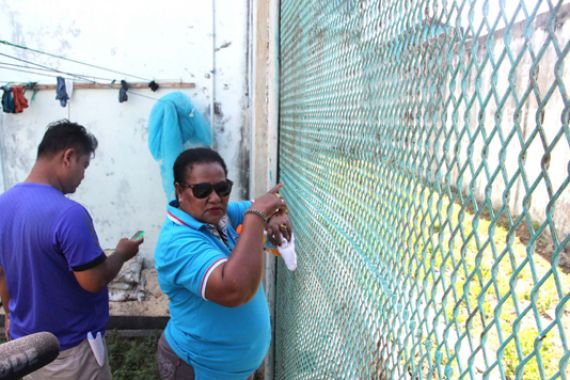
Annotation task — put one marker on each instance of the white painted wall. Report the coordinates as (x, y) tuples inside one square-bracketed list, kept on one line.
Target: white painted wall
[(541, 205), (165, 41)]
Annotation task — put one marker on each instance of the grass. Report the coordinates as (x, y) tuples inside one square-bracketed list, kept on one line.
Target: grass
[(130, 357), (526, 342), (493, 291), (470, 291), (133, 357)]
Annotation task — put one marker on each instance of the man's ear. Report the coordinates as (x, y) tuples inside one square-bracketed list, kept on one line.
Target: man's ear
[(68, 156), (177, 189)]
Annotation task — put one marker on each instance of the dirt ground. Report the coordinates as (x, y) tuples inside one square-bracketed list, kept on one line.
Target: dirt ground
[(155, 303)]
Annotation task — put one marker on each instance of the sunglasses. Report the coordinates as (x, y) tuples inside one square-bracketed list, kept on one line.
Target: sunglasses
[(202, 190)]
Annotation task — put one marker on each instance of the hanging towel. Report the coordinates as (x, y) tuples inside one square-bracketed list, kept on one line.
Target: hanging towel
[(174, 121), (123, 97), (7, 100), (20, 101), (61, 93)]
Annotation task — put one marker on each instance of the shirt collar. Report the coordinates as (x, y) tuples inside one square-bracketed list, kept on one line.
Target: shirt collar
[(180, 217)]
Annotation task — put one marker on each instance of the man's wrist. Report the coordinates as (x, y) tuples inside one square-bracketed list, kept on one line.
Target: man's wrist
[(264, 217), (122, 254)]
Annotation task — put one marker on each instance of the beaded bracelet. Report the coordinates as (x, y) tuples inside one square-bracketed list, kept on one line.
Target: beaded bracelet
[(261, 214)]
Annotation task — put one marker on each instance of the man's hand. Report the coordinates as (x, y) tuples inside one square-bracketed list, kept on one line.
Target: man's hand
[(129, 248), (279, 227), (96, 278), (271, 202)]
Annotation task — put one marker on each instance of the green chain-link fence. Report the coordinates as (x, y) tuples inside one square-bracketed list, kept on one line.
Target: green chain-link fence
[(425, 150)]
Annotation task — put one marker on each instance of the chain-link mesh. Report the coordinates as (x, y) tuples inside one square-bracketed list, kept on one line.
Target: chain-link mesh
[(425, 150)]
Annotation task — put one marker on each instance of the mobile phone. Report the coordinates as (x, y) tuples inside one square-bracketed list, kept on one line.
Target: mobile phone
[(138, 235)]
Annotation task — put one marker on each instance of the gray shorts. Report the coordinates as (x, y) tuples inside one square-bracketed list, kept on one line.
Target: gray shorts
[(170, 366), (76, 363)]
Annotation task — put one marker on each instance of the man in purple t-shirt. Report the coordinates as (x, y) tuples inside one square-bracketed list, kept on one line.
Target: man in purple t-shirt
[(53, 273)]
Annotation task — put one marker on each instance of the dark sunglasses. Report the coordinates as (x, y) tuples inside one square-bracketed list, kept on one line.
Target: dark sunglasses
[(202, 190)]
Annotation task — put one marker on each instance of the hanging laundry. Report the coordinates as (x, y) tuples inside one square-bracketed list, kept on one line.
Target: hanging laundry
[(123, 97), (7, 100), (33, 87), (153, 86), (20, 101), (61, 93), (174, 122)]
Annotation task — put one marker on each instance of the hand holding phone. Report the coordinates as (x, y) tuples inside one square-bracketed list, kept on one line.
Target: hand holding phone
[(130, 247), (138, 235)]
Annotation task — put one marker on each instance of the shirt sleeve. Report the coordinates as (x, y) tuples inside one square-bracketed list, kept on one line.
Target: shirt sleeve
[(236, 211), (192, 263), (77, 240)]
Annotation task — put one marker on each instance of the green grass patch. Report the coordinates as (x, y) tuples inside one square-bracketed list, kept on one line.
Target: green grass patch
[(532, 350), (497, 289), (133, 357)]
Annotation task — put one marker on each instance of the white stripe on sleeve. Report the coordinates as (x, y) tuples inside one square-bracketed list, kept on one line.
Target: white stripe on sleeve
[(207, 275)]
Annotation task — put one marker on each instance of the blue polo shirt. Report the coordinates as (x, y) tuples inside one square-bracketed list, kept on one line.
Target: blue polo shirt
[(219, 342), (44, 238)]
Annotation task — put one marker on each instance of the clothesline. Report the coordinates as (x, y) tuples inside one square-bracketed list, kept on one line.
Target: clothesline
[(117, 85), (14, 101), (4, 42), (76, 78), (52, 69), (75, 81)]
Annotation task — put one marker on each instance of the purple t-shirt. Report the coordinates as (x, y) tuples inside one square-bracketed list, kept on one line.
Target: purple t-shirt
[(44, 238)]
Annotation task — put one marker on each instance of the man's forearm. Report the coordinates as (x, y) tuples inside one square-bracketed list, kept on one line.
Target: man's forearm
[(245, 265), (113, 265), (95, 279)]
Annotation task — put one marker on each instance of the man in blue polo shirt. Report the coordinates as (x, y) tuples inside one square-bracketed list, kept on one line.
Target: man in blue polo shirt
[(53, 273), (219, 320)]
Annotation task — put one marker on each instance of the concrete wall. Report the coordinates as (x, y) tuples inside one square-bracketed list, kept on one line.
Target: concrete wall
[(172, 41), (498, 122), (519, 151)]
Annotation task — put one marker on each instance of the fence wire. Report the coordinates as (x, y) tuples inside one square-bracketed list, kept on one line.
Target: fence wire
[(425, 150)]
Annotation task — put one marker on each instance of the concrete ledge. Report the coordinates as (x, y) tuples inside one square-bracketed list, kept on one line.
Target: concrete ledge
[(137, 322), (127, 323)]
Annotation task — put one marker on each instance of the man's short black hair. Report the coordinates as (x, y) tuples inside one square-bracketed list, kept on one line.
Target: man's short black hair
[(64, 134), (193, 156)]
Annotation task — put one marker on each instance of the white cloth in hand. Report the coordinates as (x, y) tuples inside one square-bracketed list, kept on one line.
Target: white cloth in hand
[(287, 252)]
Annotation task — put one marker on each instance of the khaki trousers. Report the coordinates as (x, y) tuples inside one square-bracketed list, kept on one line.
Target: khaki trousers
[(76, 363)]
